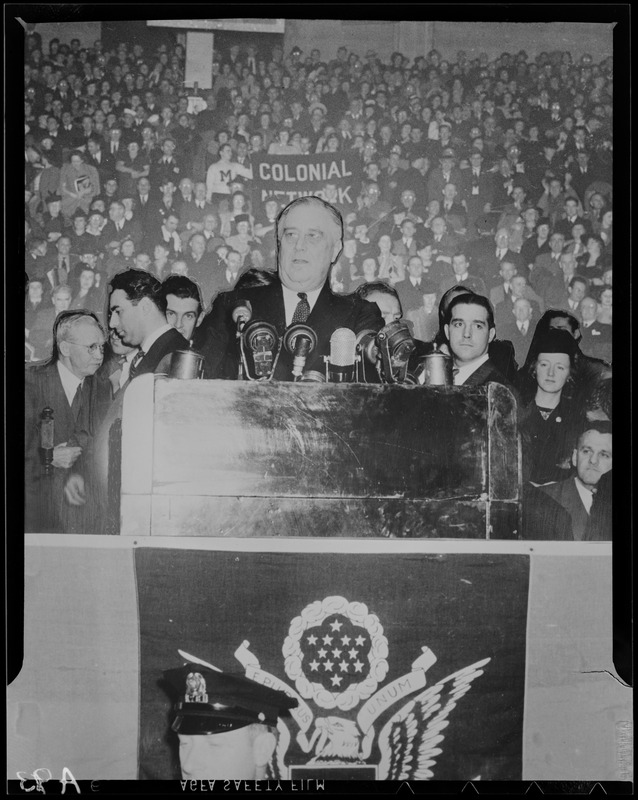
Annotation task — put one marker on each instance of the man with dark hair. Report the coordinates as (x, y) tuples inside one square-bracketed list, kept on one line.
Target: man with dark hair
[(386, 297), (183, 304), (137, 312), (561, 510), (64, 384), (309, 241), (469, 328)]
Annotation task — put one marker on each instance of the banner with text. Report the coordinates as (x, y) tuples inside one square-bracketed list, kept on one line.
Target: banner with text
[(289, 177)]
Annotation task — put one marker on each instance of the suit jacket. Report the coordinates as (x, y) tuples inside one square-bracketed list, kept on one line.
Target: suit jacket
[(471, 282), (565, 494), (487, 373), (45, 507), (191, 212), (596, 340), (544, 270), (157, 358), (330, 312), (511, 333), (130, 230), (411, 297), (485, 264), (485, 185), (437, 182), (399, 248)]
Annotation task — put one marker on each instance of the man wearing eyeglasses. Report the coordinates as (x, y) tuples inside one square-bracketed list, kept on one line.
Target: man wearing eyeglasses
[(56, 499)]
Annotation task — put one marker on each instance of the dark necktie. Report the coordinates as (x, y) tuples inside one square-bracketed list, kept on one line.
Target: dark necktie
[(76, 405), (302, 312), (135, 363)]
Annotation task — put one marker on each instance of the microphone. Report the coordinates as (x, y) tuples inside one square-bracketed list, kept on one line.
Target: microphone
[(342, 355), (262, 339), (300, 341), (366, 345), (396, 345), (241, 314), (47, 429)]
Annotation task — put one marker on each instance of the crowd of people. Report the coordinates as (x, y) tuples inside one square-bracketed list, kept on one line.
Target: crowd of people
[(488, 179)]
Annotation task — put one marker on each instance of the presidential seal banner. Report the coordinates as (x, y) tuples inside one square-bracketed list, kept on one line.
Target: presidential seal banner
[(404, 668), (289, 177)]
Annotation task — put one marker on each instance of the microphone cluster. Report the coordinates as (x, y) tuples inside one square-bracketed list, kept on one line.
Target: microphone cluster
[(386, 351)]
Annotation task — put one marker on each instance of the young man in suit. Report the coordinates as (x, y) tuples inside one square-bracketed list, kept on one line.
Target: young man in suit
[(54, 502), (469, 328), (309, 242), (137, 313)]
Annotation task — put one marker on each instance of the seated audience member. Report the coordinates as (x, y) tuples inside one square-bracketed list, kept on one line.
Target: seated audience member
[(41, 331), (520, 329), (409, 289), (595, 338), (368, 274), (183, 304), (426, 318), (588, 371), (591, 264), (605, 303), (242, 241), (120, 257), (562, 510), (88, 295), (226, 724), (519, 288), (469, 328), (391, 267), (459, 274), (548, 424)]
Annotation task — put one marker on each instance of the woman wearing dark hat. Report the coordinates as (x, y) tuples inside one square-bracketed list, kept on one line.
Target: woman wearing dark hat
[(548, 423)]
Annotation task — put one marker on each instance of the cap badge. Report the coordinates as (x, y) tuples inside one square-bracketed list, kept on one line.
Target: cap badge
[(195, 688)]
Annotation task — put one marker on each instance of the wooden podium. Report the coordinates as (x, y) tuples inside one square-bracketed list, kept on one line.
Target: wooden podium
[(236, 459)]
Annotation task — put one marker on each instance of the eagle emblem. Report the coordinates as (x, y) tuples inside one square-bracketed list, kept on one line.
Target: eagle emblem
[(336, 654)]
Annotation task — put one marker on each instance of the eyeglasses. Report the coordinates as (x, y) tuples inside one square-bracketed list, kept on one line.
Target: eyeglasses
[(92, 348)]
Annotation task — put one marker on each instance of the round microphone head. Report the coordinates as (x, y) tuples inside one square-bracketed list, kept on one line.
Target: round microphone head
[(303, 331), (242, 312), (366, 344), (261, 335), (342, 347)]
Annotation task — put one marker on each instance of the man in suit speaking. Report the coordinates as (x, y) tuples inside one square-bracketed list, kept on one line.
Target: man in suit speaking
[(309, 242)]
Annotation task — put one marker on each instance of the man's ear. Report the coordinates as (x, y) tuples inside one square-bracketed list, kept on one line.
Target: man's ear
[(263, 748), (492, 334), (199, 320), (337, 250), (575, 457), (446, 329), (63, 348)]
